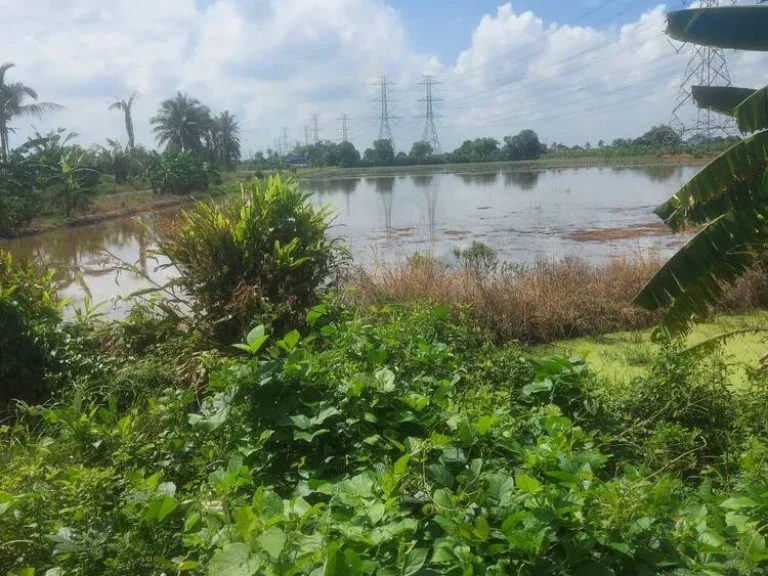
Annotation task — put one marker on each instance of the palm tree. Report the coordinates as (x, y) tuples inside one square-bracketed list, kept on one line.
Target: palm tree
[(12, 104), (182, 122), (225, 138), (125, 107), (730, 194)]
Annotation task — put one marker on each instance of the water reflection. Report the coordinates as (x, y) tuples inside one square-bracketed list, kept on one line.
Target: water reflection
[(441, 209), (480, 178), (385, 187), (525, 180)]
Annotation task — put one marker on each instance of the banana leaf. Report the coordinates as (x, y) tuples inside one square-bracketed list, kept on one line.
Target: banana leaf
[(731, 181), (696, 276), (752, 114), (738, 27), (721, 99)]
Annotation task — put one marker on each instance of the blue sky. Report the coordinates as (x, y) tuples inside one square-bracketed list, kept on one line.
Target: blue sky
[(574, 71), (445, 27)]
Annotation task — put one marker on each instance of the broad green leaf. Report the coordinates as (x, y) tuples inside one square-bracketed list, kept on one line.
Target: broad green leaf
[(187, 565), (484, 424), (694, 278), (375, 513), (316, 313), (301, 421), (752, 113), (737, 27), (527, 484), (307, 437), (739, 503), (385, 380), (732, 181), (346, 563), (324, 414), (233, 560), (401, 466), (288, 343), (255, 335), (272, 541), (721, 99), (440, 474), (414, 560), (443, 499), (160, 508)]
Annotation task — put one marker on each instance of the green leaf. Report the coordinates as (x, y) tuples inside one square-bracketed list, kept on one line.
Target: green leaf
[(443, 499), (401, 466), (721, 99), (484, 424), (527, 484), (375, 513), (288, 343), (159, 509), (440, 474), (752, 113), (324, 414), (346, 563), (731, 181), (316, 313), (301, 421), (272, 541), (187, 565), (385, 380), (738, 503), (233, 560), (307, 437), (695, 277), (737, 27), (414, 560), (255, 335)]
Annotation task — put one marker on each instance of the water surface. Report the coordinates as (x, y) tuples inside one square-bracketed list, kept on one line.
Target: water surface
[(523, 215)]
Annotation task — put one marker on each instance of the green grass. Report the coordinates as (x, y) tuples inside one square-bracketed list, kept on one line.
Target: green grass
[(624, 355)]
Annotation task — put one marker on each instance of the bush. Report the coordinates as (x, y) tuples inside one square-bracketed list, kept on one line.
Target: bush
[(29, 330), (20, 200), (264, 254), (179, 173)]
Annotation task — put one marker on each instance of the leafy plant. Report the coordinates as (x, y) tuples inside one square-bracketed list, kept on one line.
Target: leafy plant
[(729, 194), (265, 252), (179, 173)]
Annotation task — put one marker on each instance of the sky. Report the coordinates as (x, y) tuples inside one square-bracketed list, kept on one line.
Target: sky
[(572, 70)]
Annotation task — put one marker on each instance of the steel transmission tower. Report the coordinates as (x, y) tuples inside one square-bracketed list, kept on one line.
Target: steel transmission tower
[(344, 128), (385, 129), (315, 129), (430, 129), (706, 67), (306, 135)]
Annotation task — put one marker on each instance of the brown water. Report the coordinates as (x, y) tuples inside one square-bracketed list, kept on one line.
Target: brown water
[(523, 215)]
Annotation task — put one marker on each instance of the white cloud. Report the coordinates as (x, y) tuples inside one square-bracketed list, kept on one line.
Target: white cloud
[(276, 63)]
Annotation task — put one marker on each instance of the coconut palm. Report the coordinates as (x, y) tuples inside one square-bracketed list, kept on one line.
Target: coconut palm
[(729, 195), (183, 123), (225, 138), (12, 104), (125, 107)]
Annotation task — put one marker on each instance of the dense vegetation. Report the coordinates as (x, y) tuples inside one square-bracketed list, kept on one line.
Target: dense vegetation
[(526, 145), (49, 175), (395, 439)]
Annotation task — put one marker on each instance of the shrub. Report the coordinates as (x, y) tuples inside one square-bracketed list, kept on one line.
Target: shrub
[(29, 330), (20, 201), (179, 173), (265, 253)]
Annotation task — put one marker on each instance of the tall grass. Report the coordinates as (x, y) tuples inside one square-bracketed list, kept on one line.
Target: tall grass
[(543, 302)]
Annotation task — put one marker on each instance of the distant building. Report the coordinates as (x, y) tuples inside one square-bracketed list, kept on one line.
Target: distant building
[(296, 161)]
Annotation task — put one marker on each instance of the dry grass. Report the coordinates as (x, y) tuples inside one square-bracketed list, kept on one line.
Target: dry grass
[(544, 302)]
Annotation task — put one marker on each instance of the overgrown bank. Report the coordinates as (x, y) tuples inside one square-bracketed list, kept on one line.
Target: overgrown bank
[(388, 439)]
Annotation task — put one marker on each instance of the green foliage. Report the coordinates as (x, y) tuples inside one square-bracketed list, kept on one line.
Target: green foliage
[(398, 442), (729, 194), (178, 173), (264, 253), (382, 154), (30, 334), (524, 146), (478, 258)]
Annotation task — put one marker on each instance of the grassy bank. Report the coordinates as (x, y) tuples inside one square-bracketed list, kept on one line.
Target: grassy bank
[(120, 201), (547, 301), (623, 356), (541, 164)]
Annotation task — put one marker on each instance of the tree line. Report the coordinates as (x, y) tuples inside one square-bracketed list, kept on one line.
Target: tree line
[(50, 174)]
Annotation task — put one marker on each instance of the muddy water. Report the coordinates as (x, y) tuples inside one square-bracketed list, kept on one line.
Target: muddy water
[(523, 215)]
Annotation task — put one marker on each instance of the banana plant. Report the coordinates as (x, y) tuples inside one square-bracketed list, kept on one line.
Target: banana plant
[(729, 195)]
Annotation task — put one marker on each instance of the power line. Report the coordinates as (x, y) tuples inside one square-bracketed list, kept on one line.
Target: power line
[(429, 133)]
